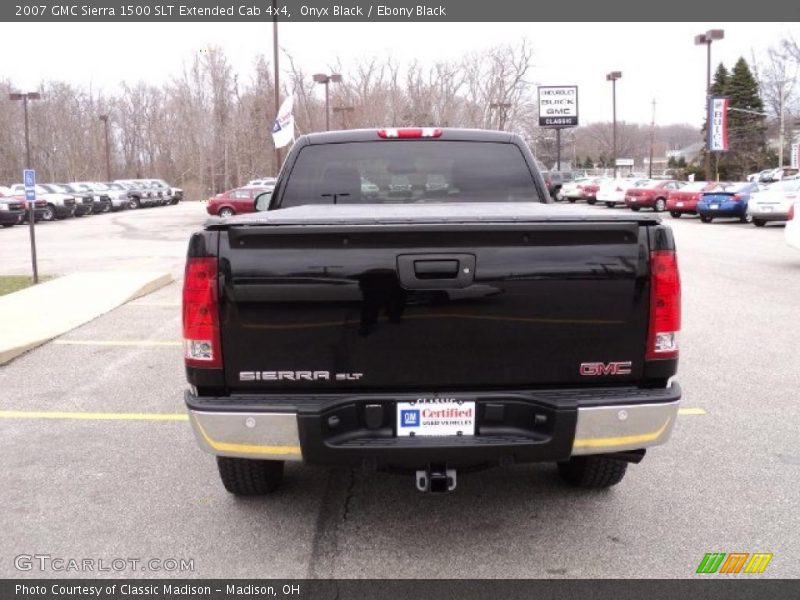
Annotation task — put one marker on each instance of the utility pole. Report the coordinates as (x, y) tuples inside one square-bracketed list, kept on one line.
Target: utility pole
[(652, 140), (276, 77), (326, 80), (612, 77), (29, 165), (343, 110), (782, 125)]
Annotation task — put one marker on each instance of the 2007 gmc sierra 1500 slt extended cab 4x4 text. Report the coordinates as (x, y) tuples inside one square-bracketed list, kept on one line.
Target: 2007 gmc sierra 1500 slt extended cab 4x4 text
[(467, 324)]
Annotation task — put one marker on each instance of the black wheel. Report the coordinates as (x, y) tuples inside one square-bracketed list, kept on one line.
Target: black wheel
[(592, 471), (591, 201), (135, 202), (675, 214), (660, 205), (49, 213), (571, 200), (759, 222), (636, 208), (226, 212), (8, 225), (706, 219), (107, 207), (610, 204), (247, 477)]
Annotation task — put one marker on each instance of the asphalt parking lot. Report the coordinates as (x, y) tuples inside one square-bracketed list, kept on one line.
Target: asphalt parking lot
[(112, 469)]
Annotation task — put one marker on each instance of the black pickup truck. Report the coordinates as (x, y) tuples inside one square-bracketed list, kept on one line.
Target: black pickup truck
[(468, 324)]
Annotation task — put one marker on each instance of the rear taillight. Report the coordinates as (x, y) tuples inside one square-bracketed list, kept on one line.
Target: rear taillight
[(410, 133), (200, 314), (790, 216), (665, 306), (736, 198)]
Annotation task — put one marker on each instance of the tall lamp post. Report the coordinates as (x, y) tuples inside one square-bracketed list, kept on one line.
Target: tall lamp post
[(705, 39), (612, 77), (31, 211), (276, 77), (343, 110), (326, 80), (104, 119)]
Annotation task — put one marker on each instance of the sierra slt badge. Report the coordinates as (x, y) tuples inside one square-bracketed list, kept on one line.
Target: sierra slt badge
[(297, 376), (595, 369)]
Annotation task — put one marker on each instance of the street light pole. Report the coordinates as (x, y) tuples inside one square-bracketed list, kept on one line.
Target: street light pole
[(104, 119), (326, 80), (652, 141), (612, 77), (699, 40), (28, 165)]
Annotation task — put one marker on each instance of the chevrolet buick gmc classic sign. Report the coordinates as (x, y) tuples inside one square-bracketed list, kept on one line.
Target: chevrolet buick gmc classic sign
[(558, 105)]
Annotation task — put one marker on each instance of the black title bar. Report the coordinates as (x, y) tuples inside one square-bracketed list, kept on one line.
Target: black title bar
[(396, 11)]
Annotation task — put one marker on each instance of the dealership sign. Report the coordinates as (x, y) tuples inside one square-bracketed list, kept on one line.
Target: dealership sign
[(558, 106), (718, 120)]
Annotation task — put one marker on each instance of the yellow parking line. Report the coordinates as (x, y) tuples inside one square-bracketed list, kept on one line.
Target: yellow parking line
[(116, 343), (91, 416), (691, 411)]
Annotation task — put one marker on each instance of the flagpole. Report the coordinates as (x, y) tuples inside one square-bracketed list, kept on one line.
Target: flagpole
[(276, 77)]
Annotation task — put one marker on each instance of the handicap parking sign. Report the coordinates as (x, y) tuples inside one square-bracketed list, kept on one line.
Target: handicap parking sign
[(29, 177)]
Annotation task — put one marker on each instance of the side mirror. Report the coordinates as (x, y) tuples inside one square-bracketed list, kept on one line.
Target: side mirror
[(262, 201)]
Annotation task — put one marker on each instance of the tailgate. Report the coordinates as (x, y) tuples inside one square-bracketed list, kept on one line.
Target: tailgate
[(432, 306)]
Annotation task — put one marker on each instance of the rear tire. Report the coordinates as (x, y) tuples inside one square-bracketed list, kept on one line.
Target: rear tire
[(226, 212), (705, 219), (610, 204), (135, 203), (675, 214), (592, 471), (571, 200), (635, 208), (660, 205), (591, 202), (247, 477), (49, 213), (759, 222)]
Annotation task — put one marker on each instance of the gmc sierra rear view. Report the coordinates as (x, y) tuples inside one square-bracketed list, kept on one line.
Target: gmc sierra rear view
[(468, 322)]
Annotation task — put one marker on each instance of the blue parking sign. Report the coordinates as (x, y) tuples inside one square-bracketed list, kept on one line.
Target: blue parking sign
[(29, 177)]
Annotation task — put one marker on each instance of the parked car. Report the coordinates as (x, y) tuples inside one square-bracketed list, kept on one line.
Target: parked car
[(555, 180), (234, 202), (369, 189), (58, 204), (652, 194), (118, 198), (84, 201), (779, 174), (11, 211), (612, 192), (759, 175), (727, 200), (138, 197), (774, 202), (263, 182), (792, 231), (9, 196), (101, 202), (171, 195), (684, 200), (122, 195), (589, 190), (572, 191), (429, 338)]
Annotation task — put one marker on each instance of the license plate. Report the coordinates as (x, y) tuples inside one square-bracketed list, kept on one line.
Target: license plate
[(680, 204), (435, 417), (766, 208), (714, 206)]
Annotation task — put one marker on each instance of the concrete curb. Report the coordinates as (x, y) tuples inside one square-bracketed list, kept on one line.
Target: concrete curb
[(36, 315)]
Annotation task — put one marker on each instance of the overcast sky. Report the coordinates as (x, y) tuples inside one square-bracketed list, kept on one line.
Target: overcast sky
[(658, 60)]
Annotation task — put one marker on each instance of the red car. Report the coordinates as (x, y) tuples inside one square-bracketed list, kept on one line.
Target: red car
[(685, 199), (589, 190), (234, 202), (652, 194)]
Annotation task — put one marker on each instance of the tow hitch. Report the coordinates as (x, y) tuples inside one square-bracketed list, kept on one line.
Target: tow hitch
[(437, 478)]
